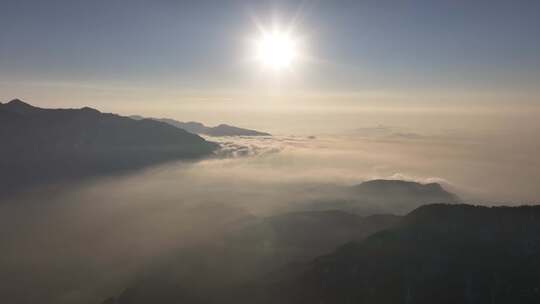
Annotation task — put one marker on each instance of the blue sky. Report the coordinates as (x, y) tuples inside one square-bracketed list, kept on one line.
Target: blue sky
[(70, 50)]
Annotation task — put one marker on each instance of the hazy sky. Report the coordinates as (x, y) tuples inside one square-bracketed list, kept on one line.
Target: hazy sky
[(184, 58)]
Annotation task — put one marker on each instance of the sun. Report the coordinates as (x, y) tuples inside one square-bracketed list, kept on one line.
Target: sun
[(277, 50)]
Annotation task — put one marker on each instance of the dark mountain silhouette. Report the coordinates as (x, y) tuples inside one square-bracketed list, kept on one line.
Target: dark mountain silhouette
[(437, 254), (253, 249), (199, 128), (19, 107), (227, 130), (387, 196), (42, 145), (382, 187)]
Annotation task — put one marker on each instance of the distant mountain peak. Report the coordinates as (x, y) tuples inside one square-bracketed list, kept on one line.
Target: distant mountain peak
[(199, 128), (19, 103), (391, 196), (395, 182), (400, 184), (90, 110), (20, 107), (228, 130)]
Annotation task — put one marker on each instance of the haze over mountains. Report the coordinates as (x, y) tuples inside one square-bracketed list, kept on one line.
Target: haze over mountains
[(258, 250), (199, 128), (276, 220), (252, 251), (437, 253)]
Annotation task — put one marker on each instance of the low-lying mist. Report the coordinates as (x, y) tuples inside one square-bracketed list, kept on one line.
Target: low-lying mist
[(84, 241)]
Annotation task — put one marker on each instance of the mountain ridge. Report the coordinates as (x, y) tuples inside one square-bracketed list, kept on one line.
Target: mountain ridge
[(199, 128), (386, 196), (42, 145), (439, 253)]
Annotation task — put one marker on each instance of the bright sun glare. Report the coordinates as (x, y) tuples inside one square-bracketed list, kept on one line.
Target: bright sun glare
[(277, 50)]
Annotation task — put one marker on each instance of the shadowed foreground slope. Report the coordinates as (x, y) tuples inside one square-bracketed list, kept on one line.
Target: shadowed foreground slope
[(438, 254)]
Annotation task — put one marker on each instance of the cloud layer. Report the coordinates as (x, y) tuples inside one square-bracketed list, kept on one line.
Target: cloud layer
[(82, 242)]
